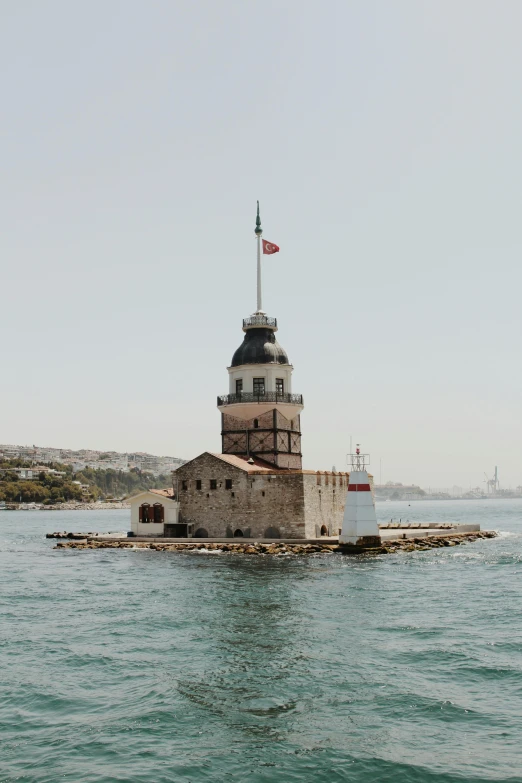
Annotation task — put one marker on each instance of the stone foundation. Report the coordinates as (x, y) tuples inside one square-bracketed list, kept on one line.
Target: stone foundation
[(283, 548)]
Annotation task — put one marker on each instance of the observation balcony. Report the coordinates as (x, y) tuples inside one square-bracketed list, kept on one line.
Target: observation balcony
[(233, 399), (259, 320), (248, 405)]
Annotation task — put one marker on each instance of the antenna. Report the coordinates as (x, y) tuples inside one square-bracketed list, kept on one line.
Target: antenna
[(358, 461)]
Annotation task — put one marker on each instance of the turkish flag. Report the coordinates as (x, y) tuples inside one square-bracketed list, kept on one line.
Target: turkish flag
[(269, 248)]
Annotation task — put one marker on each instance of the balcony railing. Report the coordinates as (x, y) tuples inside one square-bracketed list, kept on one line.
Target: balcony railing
[(259, 320), (233, 399)]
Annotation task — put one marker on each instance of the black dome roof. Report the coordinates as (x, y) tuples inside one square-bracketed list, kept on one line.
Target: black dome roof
[(259, 347)]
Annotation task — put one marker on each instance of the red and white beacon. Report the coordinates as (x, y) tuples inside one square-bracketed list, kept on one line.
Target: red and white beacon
[(360, 521)]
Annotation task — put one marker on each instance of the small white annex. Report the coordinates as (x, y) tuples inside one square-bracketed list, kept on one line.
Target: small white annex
[(155, 513)]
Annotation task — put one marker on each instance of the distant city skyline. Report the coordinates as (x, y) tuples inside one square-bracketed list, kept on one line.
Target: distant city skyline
[(383, 142), (79, 459)]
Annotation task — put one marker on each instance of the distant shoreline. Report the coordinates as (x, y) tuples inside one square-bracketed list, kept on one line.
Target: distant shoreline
[(424, 500), (65, 506)]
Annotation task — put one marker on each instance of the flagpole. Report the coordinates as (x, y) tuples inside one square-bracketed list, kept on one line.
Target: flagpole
[(259, 233)]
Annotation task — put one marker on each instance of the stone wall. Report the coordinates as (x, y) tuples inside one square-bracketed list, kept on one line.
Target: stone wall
[(290, 505), (271, 436), (265, 421), (324, 500), (253, 504)]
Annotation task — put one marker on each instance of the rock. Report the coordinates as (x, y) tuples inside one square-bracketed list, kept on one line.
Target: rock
[(421, 544)]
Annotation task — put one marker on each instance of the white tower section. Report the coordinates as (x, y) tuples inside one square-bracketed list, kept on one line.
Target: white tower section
[(360, 521), (255, 387)]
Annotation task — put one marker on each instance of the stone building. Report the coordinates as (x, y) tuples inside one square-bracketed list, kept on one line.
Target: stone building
[(155, 512), (256, 487), (228, 495)]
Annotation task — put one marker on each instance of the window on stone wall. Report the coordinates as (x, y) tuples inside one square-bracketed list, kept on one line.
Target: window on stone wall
[(198, 483), (184, 485), (239, 385), (228, 483), (280, 386), (213, 483), (259, 386), (256, 423)]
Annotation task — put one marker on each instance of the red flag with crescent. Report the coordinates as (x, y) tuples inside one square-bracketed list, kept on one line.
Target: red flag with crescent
[(269, 248)]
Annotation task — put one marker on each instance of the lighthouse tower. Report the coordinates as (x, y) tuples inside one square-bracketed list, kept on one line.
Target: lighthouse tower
[(359, 521), (260, 416)]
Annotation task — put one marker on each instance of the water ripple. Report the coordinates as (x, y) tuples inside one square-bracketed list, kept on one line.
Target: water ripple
[(134, 666)]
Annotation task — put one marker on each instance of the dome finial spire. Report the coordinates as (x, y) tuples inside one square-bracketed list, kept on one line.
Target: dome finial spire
[(258, 229)]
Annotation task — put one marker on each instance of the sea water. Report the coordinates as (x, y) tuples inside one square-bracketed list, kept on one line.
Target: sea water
[(148, 667)]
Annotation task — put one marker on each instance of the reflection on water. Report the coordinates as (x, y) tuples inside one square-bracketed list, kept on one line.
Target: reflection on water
[(257, 635)]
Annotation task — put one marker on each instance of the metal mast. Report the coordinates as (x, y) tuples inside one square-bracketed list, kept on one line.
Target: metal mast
[(259, 234)]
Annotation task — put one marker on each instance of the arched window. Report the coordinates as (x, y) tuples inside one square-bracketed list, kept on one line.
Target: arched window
[(145, 512), (159, 514), (272, 532), (324, 530), (256, 423), (201, 532), (238, 533)]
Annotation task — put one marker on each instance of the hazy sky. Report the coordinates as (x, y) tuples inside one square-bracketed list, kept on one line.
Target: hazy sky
[(383, 140)]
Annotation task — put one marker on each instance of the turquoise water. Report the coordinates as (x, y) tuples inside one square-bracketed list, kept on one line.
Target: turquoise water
[(147, 666)]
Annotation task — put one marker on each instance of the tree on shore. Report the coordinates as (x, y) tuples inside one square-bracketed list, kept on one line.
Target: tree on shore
[(53, 488)]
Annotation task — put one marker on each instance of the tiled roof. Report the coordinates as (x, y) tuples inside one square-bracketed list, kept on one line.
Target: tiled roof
[(166, 493), (242, 463), (163, 493), (261, 467), (258, 466)]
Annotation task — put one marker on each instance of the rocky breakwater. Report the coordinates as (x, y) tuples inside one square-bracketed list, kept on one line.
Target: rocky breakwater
[(423, 543), (280, 548), (83, 536)]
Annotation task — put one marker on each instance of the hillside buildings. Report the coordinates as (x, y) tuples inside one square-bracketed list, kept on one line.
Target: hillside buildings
[(88, 458)]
